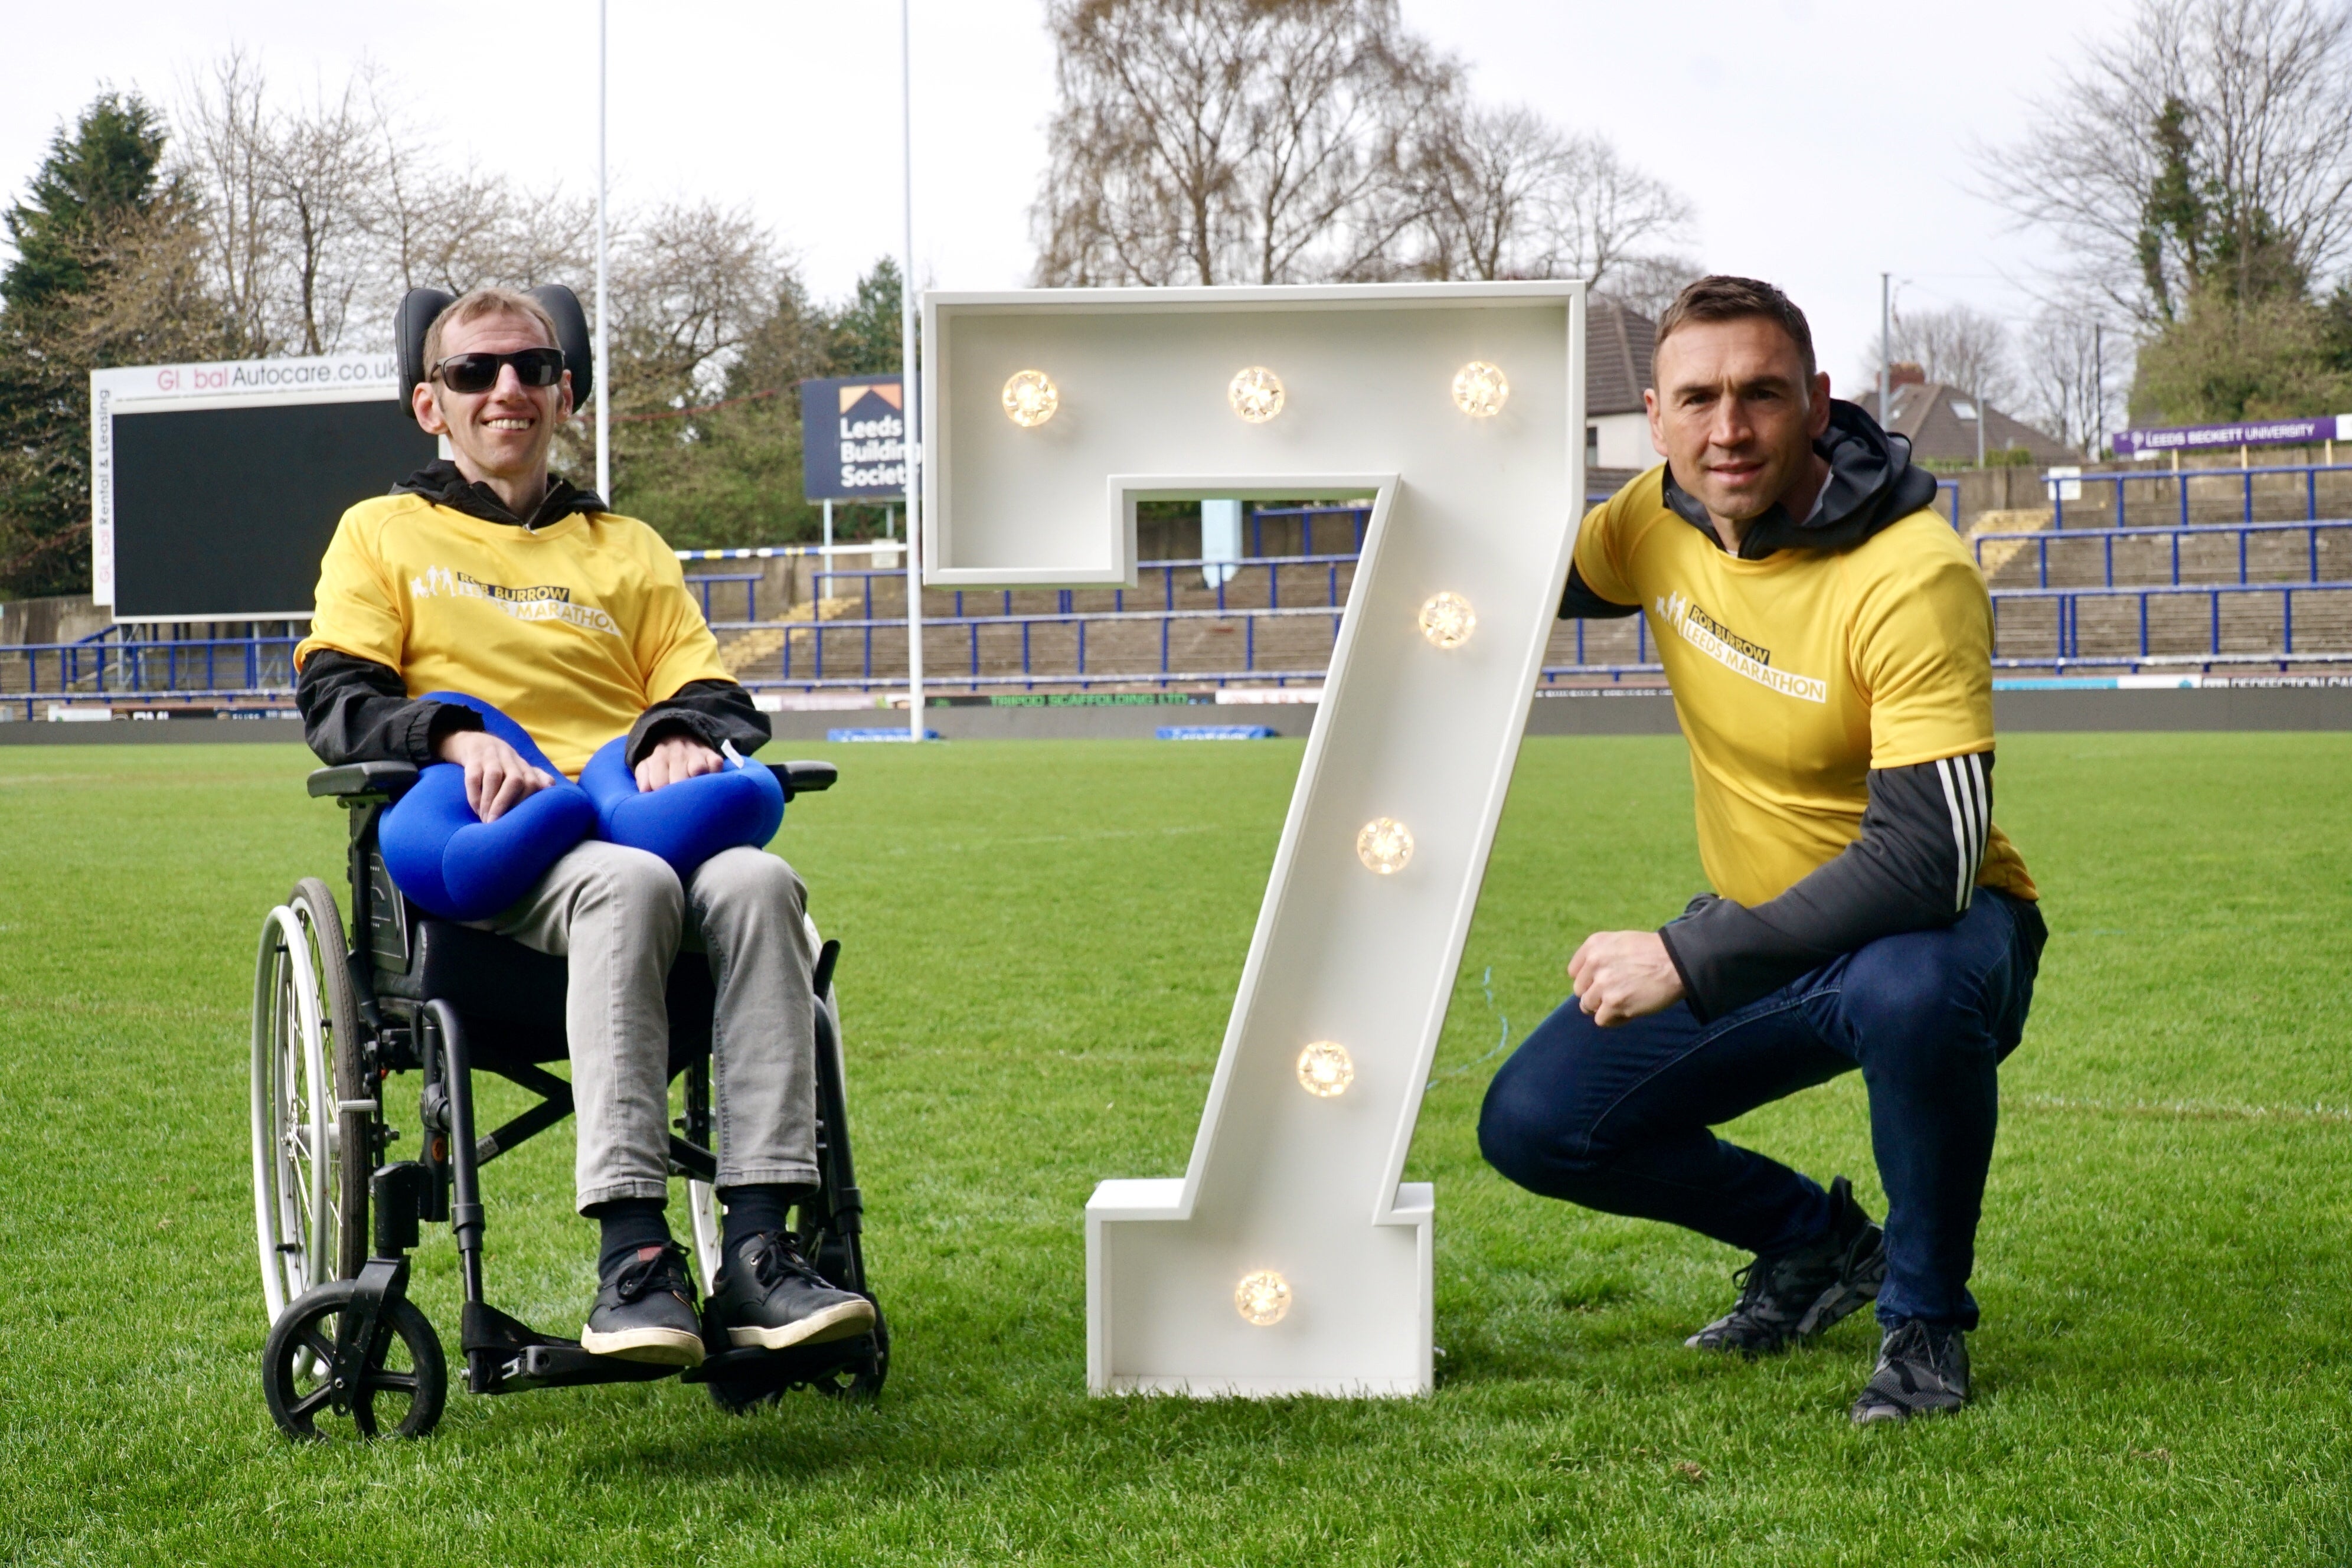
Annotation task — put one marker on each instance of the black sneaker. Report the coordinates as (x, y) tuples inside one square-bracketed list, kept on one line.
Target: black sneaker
[(767, 1296), (1799, 1294), (1922, 1371), (645, 1312)]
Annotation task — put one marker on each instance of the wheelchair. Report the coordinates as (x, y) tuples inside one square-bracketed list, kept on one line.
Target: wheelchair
[(334, 1020)]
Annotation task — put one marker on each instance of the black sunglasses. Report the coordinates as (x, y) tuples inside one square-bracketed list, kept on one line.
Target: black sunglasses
[(479, 373)]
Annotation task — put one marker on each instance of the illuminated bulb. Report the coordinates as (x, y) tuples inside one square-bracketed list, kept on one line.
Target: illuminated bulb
[(1255, 395), (1480, 390), (1263, 1298), (1326, 1069), (1384, 845), (1447, 621), (1030, 398)]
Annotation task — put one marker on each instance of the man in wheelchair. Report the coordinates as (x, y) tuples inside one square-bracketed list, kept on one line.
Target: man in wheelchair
[(484, 575)]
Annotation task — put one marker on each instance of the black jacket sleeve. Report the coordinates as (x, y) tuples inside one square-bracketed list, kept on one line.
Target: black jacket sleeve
[(1914, 867), (357, 710), (714, 712), (1582, 604)]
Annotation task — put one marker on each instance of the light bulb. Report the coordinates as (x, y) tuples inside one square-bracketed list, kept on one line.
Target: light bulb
[(1263, 1298), (1255, 394), (1030, 398), (1480, 389), (1326, 1069), (1384, 845), (1447, 620)]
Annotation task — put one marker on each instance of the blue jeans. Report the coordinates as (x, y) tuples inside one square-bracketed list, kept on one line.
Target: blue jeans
[(1618, 1118)]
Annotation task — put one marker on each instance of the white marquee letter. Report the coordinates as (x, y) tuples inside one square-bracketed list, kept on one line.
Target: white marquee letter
[(1288, 1259)]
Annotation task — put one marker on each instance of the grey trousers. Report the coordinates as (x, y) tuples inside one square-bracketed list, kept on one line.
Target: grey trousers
[(619, 917)]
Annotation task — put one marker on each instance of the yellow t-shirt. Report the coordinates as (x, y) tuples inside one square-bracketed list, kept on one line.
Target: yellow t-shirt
[(571, 631), (1795, 675)]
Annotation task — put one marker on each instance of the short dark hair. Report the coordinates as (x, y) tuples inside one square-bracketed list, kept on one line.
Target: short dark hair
[(1722, 298)]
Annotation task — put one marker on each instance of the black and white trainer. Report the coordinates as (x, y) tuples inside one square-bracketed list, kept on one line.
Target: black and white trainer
[(1800, 1294), (1922, 1371), (767, 1296), (645, 1312)]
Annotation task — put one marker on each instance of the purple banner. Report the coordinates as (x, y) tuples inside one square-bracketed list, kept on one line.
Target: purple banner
[(2246, 433)]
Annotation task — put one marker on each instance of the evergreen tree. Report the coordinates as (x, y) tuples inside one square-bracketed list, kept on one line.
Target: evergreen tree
[(107, 272), (866, 333), (91, 180)]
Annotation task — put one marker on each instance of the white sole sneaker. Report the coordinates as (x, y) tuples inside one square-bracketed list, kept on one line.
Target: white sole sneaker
[(846, 1320), (663, 1347)]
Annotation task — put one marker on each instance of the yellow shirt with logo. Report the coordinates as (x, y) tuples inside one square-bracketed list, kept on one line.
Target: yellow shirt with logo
[(571, 631), (1795, 675)]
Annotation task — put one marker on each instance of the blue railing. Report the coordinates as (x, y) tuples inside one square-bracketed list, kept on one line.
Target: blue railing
[(2077, 538), (751, 584), (2182, 478), (2066, 605), (1085, 638)]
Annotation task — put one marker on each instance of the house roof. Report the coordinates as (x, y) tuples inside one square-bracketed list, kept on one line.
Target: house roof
[(1618, 342), (1940, 421)]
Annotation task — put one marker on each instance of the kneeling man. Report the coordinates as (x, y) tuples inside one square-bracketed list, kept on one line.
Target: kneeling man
[(447, 584), (1828, 642)]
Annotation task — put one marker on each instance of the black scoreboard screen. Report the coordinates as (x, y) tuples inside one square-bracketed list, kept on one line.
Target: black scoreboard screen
[(223, 513)]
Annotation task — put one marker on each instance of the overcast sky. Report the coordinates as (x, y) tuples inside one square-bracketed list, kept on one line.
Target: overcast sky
[(1821, 142)]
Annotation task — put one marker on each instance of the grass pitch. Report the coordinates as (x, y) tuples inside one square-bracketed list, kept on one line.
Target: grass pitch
[(1041, 942)]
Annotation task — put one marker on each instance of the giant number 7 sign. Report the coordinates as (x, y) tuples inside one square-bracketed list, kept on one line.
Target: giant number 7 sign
[(1290, 1258)]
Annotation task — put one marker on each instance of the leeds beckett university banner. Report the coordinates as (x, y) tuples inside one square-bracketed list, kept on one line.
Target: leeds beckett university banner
[(853, 440), (2246, 433)]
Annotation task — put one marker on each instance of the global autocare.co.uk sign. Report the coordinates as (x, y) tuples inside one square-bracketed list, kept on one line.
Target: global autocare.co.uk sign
[(853, 440)]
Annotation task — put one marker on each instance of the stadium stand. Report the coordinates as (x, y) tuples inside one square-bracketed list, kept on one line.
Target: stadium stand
[(2205, 571)]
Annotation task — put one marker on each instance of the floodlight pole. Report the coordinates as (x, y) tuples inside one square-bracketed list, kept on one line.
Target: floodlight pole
[(2098, 387), (910, 392), (1885, 343), (603, 359)]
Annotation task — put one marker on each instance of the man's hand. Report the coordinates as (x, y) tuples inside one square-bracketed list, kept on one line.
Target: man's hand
[(1621, 974), (497, 778), (675, 757)]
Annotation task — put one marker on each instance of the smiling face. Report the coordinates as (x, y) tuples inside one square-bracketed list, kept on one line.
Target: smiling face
[(1735, 414), (500, 435)]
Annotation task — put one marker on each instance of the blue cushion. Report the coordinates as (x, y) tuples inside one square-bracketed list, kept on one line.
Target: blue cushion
[(688, 821), (455, 865)]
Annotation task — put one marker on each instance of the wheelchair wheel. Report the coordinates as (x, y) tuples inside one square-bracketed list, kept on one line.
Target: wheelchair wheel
[(309, 1081), (403, 1391), (702, 1208)]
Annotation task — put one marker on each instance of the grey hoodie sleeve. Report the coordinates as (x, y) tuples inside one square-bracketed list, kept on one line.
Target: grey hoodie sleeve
[(1914, 867)]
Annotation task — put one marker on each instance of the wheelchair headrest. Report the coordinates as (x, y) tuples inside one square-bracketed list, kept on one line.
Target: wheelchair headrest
[(418, 309)]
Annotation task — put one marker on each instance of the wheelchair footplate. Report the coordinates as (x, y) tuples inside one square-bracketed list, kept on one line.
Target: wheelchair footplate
[(507, 1355)]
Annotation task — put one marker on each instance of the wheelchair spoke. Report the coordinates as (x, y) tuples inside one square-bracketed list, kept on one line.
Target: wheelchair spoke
[(315, 1400), (392, 1383), (316, 1344)]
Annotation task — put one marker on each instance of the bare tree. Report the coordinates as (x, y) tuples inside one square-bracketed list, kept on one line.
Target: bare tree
[(1648, 284), (692, 284), (1232, 140), (2067, 363), (1957, 346), (1508, 194), (1289, 141), (2207, 146), (222, 153)]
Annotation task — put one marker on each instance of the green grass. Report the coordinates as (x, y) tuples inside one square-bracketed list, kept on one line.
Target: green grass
[(1042, 943)]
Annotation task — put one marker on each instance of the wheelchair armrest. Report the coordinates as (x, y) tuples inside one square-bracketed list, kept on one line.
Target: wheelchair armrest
[(804, 778), (355, 781)]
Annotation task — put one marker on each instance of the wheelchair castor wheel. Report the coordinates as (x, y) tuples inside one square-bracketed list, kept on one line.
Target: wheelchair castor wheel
[(855, 1374), (402, 1386), (862, 1380)]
